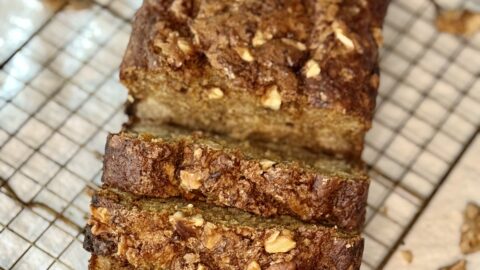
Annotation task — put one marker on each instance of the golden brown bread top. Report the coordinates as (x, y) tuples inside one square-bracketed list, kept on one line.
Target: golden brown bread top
[(317, 53)]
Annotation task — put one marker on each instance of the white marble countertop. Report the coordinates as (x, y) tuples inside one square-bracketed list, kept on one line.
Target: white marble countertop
[(434, 239)]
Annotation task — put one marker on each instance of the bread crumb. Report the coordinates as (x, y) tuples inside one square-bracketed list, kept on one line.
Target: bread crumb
[(470, 230), (407, 256)]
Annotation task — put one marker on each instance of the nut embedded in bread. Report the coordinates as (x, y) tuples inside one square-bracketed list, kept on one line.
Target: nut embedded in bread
[(298, 72), (149, 233)]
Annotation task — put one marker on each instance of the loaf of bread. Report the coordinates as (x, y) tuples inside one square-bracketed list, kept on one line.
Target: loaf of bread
[(265, 179), (298, 72), (149, 233)]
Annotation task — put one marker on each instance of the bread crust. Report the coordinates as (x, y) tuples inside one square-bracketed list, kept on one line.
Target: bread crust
[(150, 238), (202, 170), (107, 263)]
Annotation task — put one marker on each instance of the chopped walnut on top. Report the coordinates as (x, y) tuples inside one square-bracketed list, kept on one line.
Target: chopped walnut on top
[(377, 35), (260, 38), (184, 46), (272, 98), (190, 180), (245, 54), (296, 44), (339, 29), (279, 242), (215, 93), (174, 48), (253, 265), (311, 69)]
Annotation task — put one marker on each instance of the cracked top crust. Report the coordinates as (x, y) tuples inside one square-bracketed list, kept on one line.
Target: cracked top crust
[(317, 53)]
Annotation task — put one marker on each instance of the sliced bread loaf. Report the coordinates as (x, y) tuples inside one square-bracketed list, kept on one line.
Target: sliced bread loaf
[(152, 233), (265, 179)]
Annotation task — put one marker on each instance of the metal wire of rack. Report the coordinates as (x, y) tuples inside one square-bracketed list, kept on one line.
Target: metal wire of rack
[(60, 96)]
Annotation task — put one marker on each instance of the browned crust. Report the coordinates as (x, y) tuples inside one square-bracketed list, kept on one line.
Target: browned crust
[(361, 21), (151, 238), (107, 263), (231, 178)]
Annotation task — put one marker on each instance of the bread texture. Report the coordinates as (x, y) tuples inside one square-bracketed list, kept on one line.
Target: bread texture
[(149, 233), (303, 73), (107, 263), (264, 179)]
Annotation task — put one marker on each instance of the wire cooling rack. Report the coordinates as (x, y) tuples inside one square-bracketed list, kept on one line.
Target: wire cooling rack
[(60, 96)]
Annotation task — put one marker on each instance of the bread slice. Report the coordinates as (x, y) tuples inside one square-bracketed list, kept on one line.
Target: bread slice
[(265, 179), (298, 72), (152, 233)]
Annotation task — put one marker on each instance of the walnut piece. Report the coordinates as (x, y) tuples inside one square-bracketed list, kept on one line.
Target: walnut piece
[(191, 258), (245, 54), (266, 164), (184, 46), (272, 98), (407, 256), (338, 30), (201, 267), (178, 9), (190, 180), (311, 69), (253, 265), (101, 214), (279, 242), (197, 153), (284, 266), (123, 245), (176, 217), (260, 38), (470, 238), (296, 44), (210, 236), (215, 93), (377, 35), (197, 220)]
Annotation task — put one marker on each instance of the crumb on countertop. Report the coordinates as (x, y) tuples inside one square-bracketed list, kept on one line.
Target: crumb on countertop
[(470, 231), (407, 256)]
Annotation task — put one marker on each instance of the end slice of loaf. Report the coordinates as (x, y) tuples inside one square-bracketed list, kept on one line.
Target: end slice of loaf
[(265, 179), (152, 233), (296, 72)]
